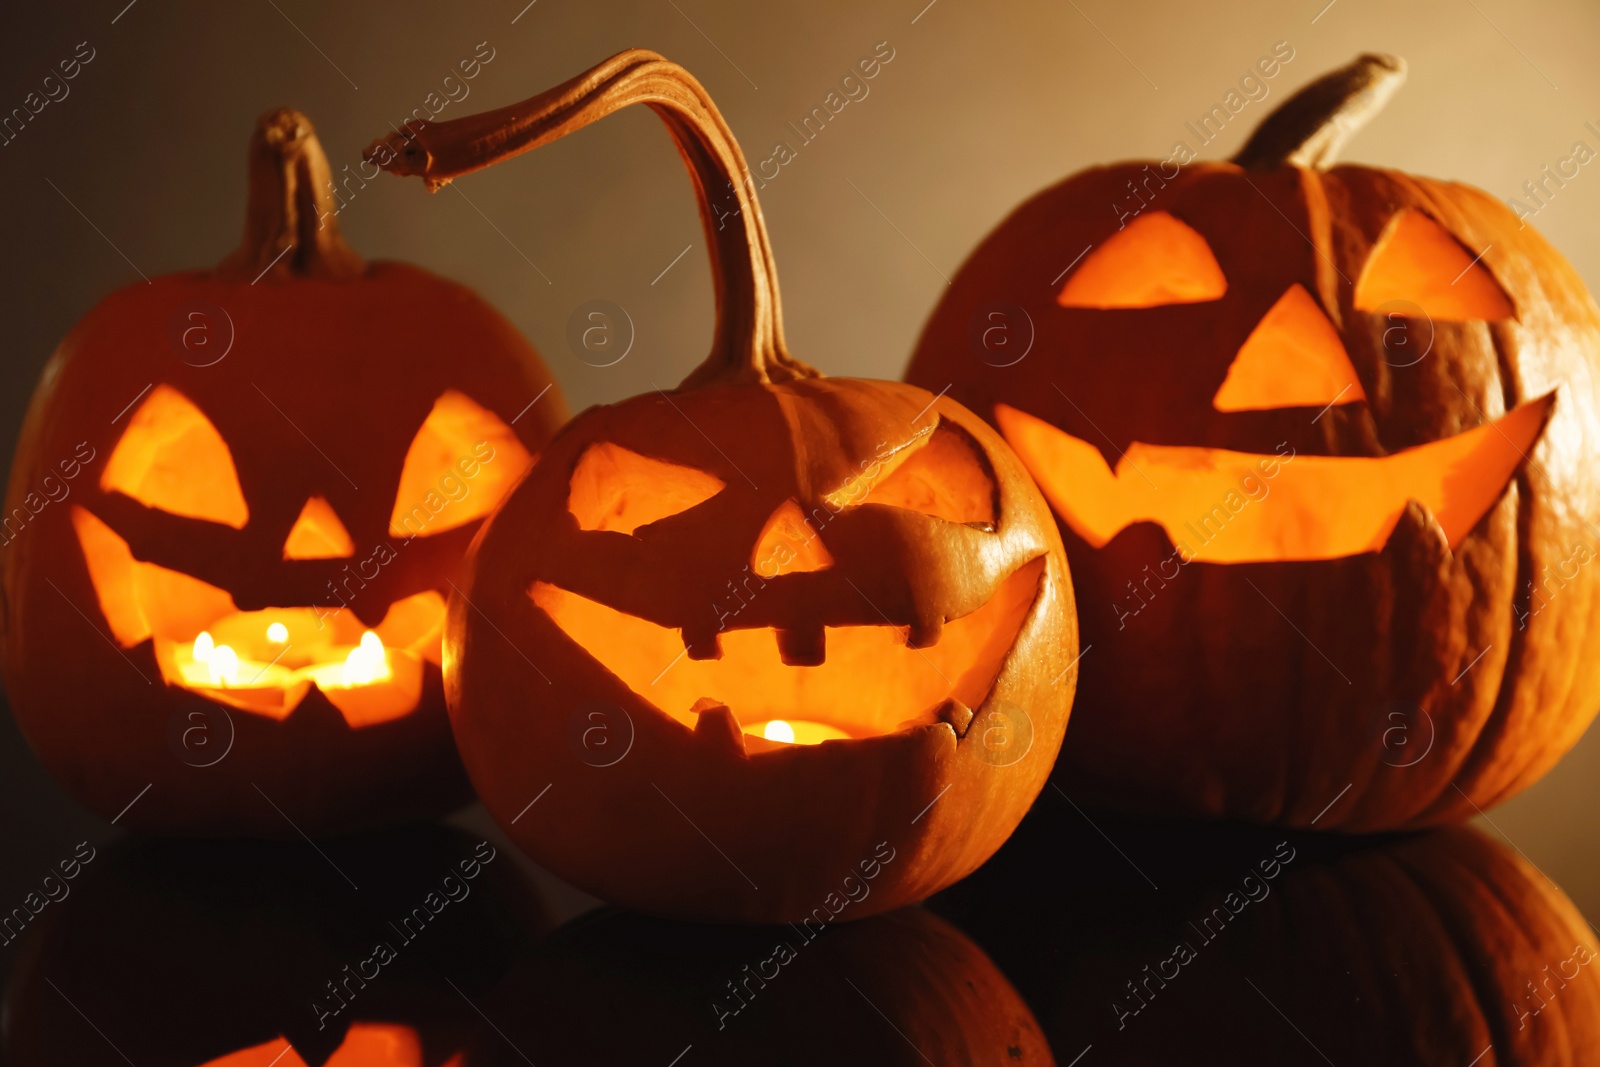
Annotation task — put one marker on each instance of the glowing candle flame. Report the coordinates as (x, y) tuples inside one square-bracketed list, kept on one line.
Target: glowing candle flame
[(203, 646), (223, 665), (277, 633), (366, 663), (778, 730)]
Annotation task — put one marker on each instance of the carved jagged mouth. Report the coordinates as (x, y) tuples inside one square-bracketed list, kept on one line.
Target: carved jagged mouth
[(868, 681), (1219, 506), (267, 661)]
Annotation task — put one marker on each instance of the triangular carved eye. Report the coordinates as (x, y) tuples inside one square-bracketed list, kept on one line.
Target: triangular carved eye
[(1154, 260), (172, 458), (1417, 262), (943, 474), (461, 464), (614, 488), (1293, 358)]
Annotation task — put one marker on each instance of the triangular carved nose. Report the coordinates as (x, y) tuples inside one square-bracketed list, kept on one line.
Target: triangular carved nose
[(318, 534), (789, 544), (1293, 358)]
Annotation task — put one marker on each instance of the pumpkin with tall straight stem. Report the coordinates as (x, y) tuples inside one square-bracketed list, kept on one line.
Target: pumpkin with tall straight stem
[(771, 645), (1322, 442), (238, 503)]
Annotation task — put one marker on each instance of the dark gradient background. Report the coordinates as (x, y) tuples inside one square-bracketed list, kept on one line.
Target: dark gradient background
[(140, 170)]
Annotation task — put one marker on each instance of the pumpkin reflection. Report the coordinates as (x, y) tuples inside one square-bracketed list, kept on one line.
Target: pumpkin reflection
[(901, 988), (1271, 947), (249, 955), (365, 1045)]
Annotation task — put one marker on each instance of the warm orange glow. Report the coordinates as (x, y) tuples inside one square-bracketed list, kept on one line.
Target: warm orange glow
[(798, 732), (1293, 358), (941, 473), (1220, 506), (364, 1045), (869, 683), (262, 661), (461, 464), (1154, 260), (111, 572), (616, 489), (172, 458), (789, 544), (317, 534), (1417, 261)]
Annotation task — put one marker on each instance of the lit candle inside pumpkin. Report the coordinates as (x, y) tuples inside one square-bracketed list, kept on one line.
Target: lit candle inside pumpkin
[(267, 664), (796, 731)]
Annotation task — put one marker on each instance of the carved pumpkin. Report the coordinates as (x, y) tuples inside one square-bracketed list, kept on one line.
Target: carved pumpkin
[(1441, 947), (236, 509), (905, 988), (1321, 440), (261, 954), (810, 616)]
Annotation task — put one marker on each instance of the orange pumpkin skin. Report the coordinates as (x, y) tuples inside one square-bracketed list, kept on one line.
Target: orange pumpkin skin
[(1426, 948), (1401, 685), (623, 628), (334, 366), (795, 820), (945, 1002)]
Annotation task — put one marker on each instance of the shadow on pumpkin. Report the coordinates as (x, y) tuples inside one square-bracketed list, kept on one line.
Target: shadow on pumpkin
[(1265, 946), (188, 954)]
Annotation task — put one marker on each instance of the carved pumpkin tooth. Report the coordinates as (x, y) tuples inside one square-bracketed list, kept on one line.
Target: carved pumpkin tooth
[(957, 714), (925, 633), (717, 727), (802, 648), (703, 644)]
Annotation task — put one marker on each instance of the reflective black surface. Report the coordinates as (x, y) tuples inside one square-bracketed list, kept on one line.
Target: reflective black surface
[(1090, 938)]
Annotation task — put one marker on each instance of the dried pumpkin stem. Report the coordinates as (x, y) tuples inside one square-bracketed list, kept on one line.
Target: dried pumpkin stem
[(748, 346), (1311, 127), (289, 224)]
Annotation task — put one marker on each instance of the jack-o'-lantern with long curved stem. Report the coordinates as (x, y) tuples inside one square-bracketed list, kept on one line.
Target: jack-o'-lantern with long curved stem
[(237, 506), (744, 640), (1322, 441)]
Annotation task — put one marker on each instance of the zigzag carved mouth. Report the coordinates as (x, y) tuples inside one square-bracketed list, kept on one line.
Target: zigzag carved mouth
[(1219, 506), (860, 681)]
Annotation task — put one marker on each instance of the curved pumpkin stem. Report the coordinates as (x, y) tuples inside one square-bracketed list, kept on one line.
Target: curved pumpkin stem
[(289, 224), (748, 346), (1311, 127)]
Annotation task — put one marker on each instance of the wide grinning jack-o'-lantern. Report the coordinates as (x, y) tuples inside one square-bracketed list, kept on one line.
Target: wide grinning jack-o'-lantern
[(1321, 441), (236, 509), (757, 633)]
